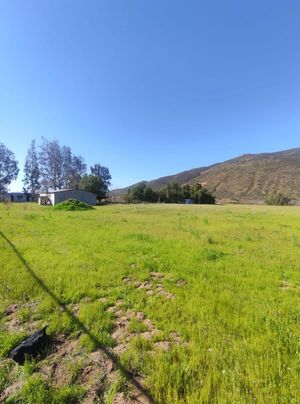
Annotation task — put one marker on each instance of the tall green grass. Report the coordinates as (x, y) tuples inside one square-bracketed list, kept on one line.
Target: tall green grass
[(238, 314)]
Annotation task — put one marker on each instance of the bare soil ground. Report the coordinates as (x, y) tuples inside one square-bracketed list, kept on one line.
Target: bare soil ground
[(66, 362)]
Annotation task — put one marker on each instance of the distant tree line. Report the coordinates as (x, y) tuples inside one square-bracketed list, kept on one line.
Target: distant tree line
[(172, 193), (277, 198), (51, 166)]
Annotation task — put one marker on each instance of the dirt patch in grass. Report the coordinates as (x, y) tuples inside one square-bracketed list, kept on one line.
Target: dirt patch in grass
[(181, 282), (98, 373), (144, 285), (157, 275), (158, 287), (286, 285), (18, 318), (152, 287), (12, 309), (15, 308), (95, 372), (135, 397), (11, 390), (160, 290), (67, 363), (129, 324), (57, 366)]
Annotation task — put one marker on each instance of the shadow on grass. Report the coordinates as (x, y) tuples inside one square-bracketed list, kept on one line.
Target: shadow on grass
[(79, 323)]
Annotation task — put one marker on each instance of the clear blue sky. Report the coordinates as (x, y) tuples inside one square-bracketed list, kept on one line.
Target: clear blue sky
[(150, 88)]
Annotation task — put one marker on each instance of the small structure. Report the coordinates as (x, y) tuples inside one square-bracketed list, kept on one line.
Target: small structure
[(55, 197), (17, 197), (4, 197), (188, 201), (22, 197)]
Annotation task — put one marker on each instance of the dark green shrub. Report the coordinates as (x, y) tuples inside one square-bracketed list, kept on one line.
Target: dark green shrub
[(277, 198), (72, 204)]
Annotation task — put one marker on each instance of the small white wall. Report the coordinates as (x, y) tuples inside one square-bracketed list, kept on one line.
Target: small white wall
[(52, 198), (49, 196), (60, 196), (82, 196)]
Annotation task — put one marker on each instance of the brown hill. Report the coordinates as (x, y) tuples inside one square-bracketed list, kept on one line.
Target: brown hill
[(248, 178)]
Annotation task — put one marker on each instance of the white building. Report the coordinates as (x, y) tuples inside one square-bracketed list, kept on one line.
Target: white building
[(54, 197)]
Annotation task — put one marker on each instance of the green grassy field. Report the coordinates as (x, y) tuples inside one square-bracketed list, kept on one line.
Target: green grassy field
[(198, 304)]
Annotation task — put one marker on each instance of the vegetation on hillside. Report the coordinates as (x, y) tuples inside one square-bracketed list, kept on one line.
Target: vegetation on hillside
[(172, 193), (277, 198), (209, 296), (246, 178)]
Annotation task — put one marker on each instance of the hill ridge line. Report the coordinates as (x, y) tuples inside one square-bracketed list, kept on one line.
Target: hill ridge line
[(246, 178)]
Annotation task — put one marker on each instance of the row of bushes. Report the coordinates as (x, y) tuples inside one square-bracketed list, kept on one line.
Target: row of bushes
[(175, 193), (277, 198), (172, 193)]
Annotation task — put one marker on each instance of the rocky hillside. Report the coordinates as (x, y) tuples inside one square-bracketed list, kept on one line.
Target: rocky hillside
[(248, 178)]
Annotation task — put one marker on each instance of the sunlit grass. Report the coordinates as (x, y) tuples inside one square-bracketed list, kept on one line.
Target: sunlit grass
[(241, 328)]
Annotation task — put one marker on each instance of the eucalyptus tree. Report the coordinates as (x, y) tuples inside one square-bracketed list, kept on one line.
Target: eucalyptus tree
[(8, 167), (32, 173)]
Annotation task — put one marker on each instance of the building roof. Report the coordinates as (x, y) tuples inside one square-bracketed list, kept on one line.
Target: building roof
[(67, 190), (62, 190)]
